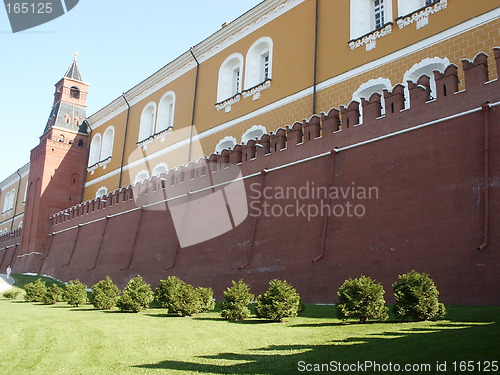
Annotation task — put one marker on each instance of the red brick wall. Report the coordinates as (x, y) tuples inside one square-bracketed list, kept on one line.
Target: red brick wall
[(429, 213)]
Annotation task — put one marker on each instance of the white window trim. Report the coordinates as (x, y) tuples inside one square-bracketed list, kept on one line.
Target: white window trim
[(171, 114), (362, 17), (102, 188), (226, 77), (146, 128), (416, 71), (109, 129), (253, 78), (95, 159), (370, 87), (219, 148), (142, 172), (158, 166), (245, 136)]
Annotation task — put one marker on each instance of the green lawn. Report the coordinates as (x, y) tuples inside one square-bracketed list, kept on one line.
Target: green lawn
[(60, 339)]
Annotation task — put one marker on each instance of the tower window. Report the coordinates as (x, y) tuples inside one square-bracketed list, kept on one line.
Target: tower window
[(74, 92)]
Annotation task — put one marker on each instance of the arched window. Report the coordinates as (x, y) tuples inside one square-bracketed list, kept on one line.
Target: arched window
[(369, 15), (166, 112), (255, 132), (20, 225), (6, 202), (103, 190), (141, 176), (225, 143), (107, 143), (148, 119), (259, 62), (74, 92), (409, 6), (95, 149), (12, 197), (377, 85), (230, 77), (426, 66), (159, 169)]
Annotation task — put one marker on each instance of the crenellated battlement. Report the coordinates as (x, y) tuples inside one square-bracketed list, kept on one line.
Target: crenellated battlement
[(401, 108)]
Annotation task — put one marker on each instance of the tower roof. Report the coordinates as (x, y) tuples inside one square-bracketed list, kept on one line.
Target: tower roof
[(73, 71)]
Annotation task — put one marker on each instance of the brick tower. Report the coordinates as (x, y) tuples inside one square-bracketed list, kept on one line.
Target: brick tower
[(57, 169)]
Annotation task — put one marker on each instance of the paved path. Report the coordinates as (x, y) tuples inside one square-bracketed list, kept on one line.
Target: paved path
[(4, 283)]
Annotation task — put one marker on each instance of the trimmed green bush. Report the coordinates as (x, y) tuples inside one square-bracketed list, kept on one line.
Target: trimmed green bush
[(75, 293), (169, 292), (417, 297), (206, 299), (136, 296), (182, 299), (12, 294), (52, 295), (280, 301), (35, 291), (177, 297), (237, 297), (105, 294), (361, 298)]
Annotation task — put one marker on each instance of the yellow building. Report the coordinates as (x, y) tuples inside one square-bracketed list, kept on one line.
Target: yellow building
[(280, 62), (12, 199)]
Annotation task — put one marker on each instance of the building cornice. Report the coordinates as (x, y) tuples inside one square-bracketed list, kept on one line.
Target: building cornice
[(14, 177)]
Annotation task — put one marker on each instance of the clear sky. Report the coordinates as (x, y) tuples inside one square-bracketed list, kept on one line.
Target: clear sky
[(120, 43)]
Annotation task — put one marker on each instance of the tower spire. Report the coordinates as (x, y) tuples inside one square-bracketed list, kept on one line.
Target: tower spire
[(73, 71), (70, 101)]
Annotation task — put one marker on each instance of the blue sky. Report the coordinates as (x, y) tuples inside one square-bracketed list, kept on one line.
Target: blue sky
[(120, 43)]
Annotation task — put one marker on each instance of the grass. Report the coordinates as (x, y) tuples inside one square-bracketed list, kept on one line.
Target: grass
[(60, 339)]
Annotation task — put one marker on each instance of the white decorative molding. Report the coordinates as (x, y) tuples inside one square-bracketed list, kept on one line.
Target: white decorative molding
[(421, 17), (100, 164), (160, 135), (370, 40), (226, 104), (255, 91), (224, 143)]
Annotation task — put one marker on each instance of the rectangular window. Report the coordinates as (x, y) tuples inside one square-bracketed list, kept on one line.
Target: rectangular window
[(379, 13), (236, 81), (265, 67), (170, 114)]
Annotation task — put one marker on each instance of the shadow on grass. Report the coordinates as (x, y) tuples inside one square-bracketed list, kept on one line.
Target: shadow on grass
[(417, 345)]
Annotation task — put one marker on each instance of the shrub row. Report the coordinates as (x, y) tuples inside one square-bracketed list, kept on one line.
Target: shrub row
[(361, 298), (415, 294)]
